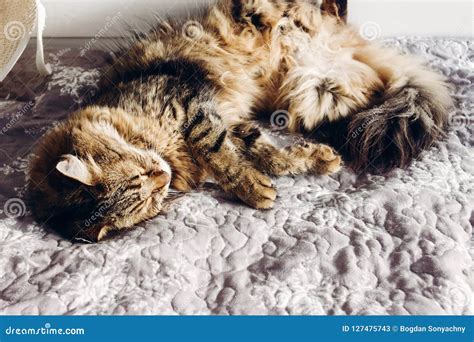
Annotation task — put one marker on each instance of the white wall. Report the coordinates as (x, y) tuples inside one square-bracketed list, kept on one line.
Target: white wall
[(87, 18), (415, 17)]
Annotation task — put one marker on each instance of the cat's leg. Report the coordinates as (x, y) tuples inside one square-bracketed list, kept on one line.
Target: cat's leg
[(211, 145), (296, 159)]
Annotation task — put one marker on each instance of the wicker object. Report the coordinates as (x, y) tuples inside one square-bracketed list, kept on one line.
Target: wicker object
[(18, 20)]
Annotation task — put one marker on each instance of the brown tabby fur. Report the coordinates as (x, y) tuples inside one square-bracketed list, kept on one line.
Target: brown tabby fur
[(168, 117), (176, 108)]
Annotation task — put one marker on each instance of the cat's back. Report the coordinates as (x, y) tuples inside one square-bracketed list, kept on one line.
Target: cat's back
[(201, 47)]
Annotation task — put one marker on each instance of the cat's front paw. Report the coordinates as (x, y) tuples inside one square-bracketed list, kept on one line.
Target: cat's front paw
[(255, 189)]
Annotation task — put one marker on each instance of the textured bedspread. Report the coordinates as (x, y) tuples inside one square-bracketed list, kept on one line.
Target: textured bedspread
[(393, 244)]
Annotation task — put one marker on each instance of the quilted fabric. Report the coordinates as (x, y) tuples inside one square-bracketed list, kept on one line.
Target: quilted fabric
[(393, 244)]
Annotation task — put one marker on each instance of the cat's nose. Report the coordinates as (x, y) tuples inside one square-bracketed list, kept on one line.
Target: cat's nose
[(160, 178)]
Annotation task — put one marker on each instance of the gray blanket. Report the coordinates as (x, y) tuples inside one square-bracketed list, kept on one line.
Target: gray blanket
[(392, 244)]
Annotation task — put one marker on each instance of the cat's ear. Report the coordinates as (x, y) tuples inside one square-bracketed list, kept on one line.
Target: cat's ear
[(72, 167)]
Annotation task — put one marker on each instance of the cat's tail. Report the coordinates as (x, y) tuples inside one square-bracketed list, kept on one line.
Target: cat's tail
[(410, 116)]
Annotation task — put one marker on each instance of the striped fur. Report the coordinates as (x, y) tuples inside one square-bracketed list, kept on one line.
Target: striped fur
[(177, 106), (166, 117)]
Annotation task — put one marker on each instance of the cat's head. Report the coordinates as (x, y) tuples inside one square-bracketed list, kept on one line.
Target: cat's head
[(305, 26), (258, 14), (87, 180)]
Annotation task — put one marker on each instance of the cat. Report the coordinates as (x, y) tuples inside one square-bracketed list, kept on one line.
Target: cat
[(166, 118), (177, 107), (394, 106)]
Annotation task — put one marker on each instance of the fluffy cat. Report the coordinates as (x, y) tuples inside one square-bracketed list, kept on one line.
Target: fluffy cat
[(393, 105), (176, 107), (167, 118)]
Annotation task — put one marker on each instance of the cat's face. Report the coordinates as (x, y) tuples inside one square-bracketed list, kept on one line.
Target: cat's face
[(265, 14), (259, 14), (105, 184), (280, 24), (121, 191)]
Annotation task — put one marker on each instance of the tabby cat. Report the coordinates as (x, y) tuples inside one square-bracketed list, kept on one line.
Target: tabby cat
[(176, 107), (167, 118)]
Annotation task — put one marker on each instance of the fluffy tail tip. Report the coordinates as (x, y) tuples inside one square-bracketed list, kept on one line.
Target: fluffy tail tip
[(406, 122)]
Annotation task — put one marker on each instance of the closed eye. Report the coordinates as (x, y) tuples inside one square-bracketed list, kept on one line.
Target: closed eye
[(136, 177)]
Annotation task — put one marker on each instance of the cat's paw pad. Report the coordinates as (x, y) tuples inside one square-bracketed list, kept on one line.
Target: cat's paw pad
[(255, 189), (325, 159)]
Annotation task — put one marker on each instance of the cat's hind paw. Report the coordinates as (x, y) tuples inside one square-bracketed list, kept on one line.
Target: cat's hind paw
[(316, 158), (325, 159)]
